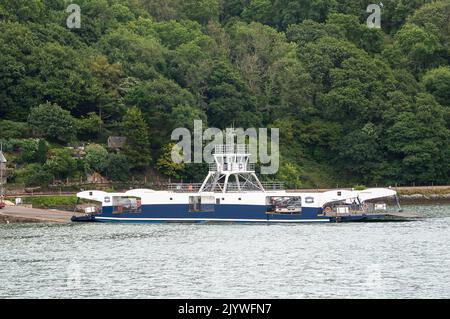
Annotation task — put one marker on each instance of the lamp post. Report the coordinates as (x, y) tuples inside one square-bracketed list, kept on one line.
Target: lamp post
[(2, 163)]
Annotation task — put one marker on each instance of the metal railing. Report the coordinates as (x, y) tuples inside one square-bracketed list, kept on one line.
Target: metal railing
[(250, 167), (184, 187), (231, 187), (273, 185), (231, 149), (248, 187)]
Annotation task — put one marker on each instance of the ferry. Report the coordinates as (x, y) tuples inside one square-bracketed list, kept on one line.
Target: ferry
[(232, 192)]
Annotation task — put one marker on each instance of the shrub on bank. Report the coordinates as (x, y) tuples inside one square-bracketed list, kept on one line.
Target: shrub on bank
[(50, 201)]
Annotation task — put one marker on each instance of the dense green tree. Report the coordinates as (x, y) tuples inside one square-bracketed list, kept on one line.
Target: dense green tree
[(98, 17), (421, 47), (357, 90), (89, 127), (157, 99), (51, 121), (371, 40), (286, 12), (255, 48), (23, 10), (421, 142), (310, 31), (289, 91), (27, 149), (175, 33), (200, 10), (61, 163), (325, 54), (41, 152), (96, 159), (10, 129), (360, 152), (16, 44), (37, 175), (232, 8), (395, 12), (117, 167), (137, 147), (229, 100), (185, 115), (107, 87), (433, 17), (162, 9), (258, 10), (437, 82), (290, 174), (58, 74), (141, 56), (167, 166)]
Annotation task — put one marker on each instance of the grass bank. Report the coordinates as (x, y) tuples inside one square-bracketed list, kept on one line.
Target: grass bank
[(54, 201)]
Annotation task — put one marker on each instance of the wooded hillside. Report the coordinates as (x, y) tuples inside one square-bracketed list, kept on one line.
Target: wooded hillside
[(354, 105)]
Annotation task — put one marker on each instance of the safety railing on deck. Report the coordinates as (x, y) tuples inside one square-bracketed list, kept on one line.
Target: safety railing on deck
[(231, 149), (237, 166), (232, 187), (273, 185), (184, 187)]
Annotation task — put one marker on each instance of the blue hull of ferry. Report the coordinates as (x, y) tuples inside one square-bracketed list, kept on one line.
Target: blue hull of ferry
[(220, 213)]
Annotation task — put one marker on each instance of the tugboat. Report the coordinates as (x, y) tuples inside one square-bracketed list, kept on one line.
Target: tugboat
[(232, 192)]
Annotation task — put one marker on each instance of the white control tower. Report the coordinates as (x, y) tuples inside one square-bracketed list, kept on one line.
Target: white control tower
[(231, 171)]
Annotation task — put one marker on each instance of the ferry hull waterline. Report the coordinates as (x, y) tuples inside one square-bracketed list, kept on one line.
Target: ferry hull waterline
[(220, 213), (245, 200)]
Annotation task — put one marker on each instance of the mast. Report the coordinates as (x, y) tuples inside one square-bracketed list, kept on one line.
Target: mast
[(231, 171)]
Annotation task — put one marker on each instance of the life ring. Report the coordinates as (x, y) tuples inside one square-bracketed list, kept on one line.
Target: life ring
[(327, 210), (365, 206)]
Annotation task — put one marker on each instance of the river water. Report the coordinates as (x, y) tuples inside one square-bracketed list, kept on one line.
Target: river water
[(360, 260)]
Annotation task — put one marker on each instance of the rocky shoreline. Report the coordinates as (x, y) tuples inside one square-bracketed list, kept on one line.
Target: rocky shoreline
[(425, 199), (424, 194)]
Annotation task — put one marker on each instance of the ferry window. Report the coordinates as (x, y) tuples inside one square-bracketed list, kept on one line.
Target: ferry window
[(217, 201), (309, 200), (124, 204), (201, 203), (90, 193), (283, 205), (107, 199), (171, 198)]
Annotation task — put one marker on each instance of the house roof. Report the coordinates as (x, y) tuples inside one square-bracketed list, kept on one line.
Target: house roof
[(116, 141)]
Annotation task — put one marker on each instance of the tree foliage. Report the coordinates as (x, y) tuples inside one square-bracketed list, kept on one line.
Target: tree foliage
[(363, 105), (51, 121), (137, 147)]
